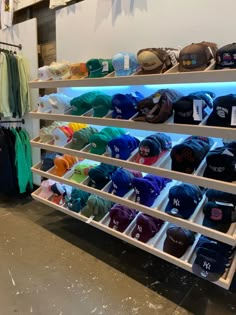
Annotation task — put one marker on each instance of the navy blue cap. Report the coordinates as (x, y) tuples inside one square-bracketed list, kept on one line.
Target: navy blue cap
[(121, 182), (125, 105), (121, 147), (183, 200)]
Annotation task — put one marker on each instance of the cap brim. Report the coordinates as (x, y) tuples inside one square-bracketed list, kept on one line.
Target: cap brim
[(214, 120), (214, 175), (147, 160), (123, 73), (218, 226), (173, 249), (183, 69), (77, 178), (57, 172)]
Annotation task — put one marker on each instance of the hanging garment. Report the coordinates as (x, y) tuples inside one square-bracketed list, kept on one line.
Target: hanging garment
[(4, 86)]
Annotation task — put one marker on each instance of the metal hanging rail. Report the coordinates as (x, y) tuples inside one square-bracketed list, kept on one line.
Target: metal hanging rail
[(12, 121), (12, 45)]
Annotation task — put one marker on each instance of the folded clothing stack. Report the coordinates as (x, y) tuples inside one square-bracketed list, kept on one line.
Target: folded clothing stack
[(122, 146), (122, 181), (192, 109), (77, 200), (96, 208), (188, 155), (121, 217), (177, 240), (152, 147), (158, 107), (221, 163), (100, 140), (212, 259), (146, 227), (148, 188), (183, 200), (100, 175), (125, 105)]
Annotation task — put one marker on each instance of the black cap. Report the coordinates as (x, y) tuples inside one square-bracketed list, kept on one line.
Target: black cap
[(225, 56)]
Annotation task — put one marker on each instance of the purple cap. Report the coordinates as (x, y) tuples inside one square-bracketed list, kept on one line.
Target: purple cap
[(121, 217), (146, 227)]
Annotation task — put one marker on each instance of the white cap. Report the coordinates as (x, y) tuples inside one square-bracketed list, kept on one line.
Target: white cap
[(44, 74), (60, 103), (44, 106)]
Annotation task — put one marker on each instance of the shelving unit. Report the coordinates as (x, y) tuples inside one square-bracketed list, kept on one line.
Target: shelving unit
[(161, 169)]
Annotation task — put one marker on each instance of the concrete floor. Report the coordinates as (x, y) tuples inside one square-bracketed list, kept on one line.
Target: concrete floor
[(52, 264)]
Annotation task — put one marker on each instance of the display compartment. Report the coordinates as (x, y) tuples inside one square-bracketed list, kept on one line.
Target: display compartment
[(154, 247)]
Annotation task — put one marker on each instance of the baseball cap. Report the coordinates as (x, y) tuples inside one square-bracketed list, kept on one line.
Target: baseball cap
[(121, 147), (78, 70), (101, 105), (183, 200), (221, 164), (77, 200), (153, 60), (62, 135), (125, 105), (76, 126), (148, 188), (44, 74), (99, 67), (60, 103), (121, 182), (80, 172), (100, 140), (124, 64), (48, 161), (151, 147), (96, 207), (222, 196), (83, 103), (225, 57), (63, 164), (44, 106), (159, 107), (100, 175), (59, 71), (209, 264), (46, 191), (219, 216), (177, 240), (146, 227), (187, 156), (81, 137), (61, 190), (222, 111), (121, 217), (195, 57)]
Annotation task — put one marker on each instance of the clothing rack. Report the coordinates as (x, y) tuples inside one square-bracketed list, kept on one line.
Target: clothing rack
[(12, 45), (22, 121)]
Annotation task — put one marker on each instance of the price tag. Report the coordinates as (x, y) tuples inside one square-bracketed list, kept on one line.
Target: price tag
[(233, 116), (197, 110), (156, 98), (126, 62), (105, 66)]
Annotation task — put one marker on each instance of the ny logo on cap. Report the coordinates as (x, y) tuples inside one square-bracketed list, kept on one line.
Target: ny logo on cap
[(115, 222), (221, 111), (207, 265), (176, 202), (140, 228)]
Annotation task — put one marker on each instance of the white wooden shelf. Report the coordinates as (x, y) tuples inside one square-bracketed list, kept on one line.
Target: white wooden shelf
[(153, 246), (157, 210), (162, 168), (166, 78), (196, 178), (169, 126)]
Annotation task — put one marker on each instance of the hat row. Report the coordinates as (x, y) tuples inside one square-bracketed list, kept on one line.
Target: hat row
[(193, 57)]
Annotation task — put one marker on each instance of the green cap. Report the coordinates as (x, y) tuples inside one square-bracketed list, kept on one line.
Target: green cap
[(101, 105), (81, 137), (100, 140), (83, 103), (97, 207), (80, 172), (98, 68)]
